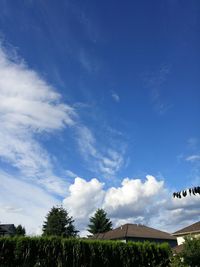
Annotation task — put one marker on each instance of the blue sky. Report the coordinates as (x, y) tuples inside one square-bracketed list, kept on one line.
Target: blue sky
[(99, 89)]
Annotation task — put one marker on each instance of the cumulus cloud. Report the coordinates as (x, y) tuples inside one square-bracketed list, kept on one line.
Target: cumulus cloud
[(132, 197), (134, 201), (173, 214), (29, 106), (131, 202), (84, 197)]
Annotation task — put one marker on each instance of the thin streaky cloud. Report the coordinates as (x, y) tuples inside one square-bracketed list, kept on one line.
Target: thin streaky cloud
[(71, 174), (193, 158), (115, 97), (193, 143), (107, 163), (24, 203), (29, 107), (154, 81)]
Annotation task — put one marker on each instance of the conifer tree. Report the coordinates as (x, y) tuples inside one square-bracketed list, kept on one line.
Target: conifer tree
[(99, 223), (20, 231), (58, 223)]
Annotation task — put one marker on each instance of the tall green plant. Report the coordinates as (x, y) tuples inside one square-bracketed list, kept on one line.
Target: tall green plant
[(58, 223), (99, 223), (191, 251), (62, 252), (20, 230)]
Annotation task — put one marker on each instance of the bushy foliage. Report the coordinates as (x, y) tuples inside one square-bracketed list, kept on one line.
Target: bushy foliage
[(99, 223), (20, 230), (178, 261), (191, 251), (190, 255), (58, 223), (62, 252)]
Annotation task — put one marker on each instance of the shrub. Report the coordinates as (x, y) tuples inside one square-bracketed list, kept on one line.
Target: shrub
[(191, 251), (61, 252)]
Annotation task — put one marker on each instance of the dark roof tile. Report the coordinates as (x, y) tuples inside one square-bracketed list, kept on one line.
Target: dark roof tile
[(189, 229), (134, 231), (7, 228)]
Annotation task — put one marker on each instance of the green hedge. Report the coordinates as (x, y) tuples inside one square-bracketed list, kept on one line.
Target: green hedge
[(58, 252)]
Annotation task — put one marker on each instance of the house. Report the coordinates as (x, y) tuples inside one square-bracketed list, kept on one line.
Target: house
[(7, 229), (192, 230), (137, 232)]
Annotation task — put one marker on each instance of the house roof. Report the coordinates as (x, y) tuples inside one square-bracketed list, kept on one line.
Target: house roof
[(7, 228), (194, 228), (134, 231)]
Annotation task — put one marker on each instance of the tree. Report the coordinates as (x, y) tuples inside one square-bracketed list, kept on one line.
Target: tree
[(99, 223), (58, 223), (20, 231)]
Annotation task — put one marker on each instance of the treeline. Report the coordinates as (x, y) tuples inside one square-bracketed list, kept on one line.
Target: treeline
[(61, 252), (59, 223)]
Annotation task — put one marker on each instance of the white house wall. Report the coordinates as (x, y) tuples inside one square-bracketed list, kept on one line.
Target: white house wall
[(181, 239)]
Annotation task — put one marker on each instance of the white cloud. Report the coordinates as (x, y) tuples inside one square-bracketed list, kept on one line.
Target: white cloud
[(105, 162), (23, 203), (115, 97), (28, 101), (86, 142), (71, 174), (173, 214), (28, 107), (193, 158), (133, 197), (131, 202), (84, 197), (135, 201)]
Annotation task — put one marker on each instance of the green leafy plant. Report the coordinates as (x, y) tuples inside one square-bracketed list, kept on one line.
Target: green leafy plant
[(191, 251)]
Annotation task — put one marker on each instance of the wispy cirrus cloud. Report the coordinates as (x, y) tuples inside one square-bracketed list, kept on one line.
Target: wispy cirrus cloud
[(115, 97), (105, 162), (29, 106), (154, 81), (25, 203), (193, 158)]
